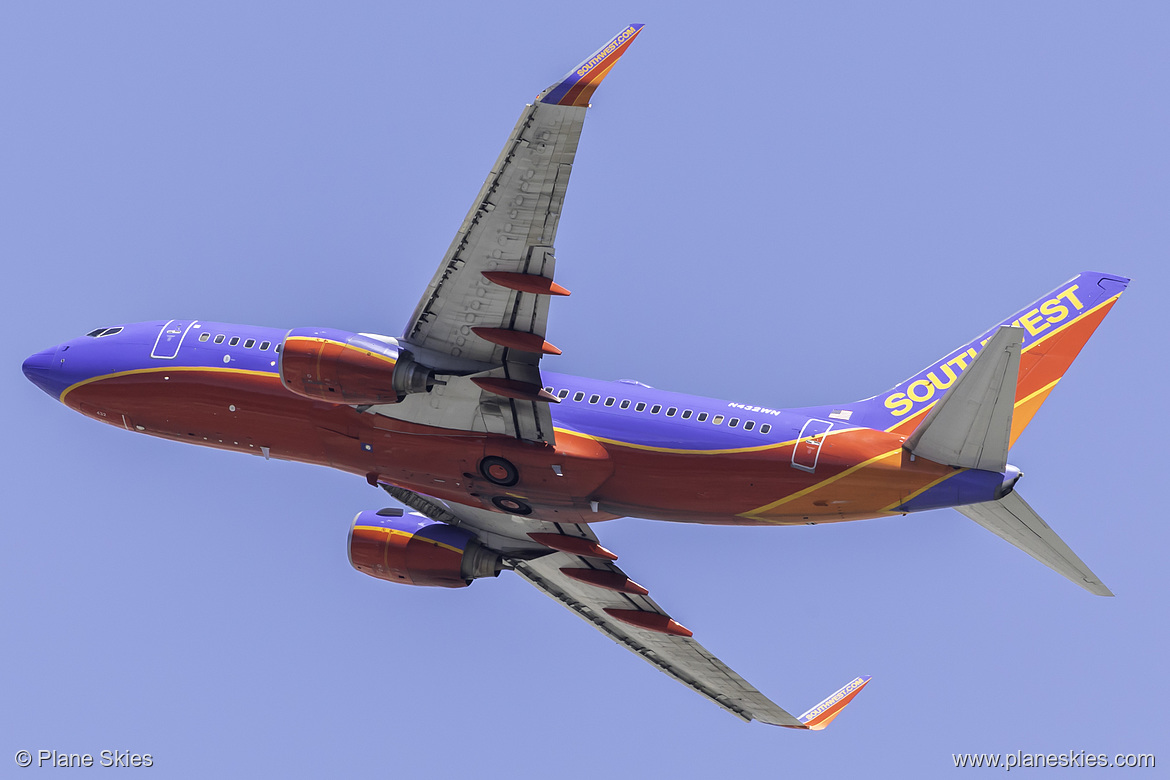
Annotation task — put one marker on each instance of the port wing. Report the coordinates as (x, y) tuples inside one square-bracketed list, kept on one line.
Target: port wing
[(483, 317)]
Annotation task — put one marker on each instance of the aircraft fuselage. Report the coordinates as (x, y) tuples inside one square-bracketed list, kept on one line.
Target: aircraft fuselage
[(622, 448)]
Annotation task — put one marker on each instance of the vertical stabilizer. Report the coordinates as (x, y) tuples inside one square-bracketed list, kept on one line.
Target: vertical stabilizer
[(1056, 326)]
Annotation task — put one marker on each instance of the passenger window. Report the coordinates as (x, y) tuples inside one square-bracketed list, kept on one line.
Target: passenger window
[(264, 345), (747, 426), (548, 390), (249, 343), (686, 415), (278, 347), (204, 336), (765, 428), (233, 341), (609, 401), (578, 396), (563, 394), (717, 419), (702, 417), (219, 339), (656, 408), (594, 399), (671, 411), (733, 422), (641, 407), (625, 404)]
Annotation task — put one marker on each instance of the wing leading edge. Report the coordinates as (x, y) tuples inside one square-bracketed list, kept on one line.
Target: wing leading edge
[(567, 563)]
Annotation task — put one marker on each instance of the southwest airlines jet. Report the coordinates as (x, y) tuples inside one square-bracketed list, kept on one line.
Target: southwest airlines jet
[(504, 464)]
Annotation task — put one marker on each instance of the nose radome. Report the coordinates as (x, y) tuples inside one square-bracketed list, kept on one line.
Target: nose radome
[(41, 370)]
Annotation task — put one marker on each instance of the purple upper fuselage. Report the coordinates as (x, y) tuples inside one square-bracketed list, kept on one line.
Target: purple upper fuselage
[(624, 410)]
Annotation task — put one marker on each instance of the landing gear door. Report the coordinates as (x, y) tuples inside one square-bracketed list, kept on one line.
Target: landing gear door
[(166, 346), (808, 448)]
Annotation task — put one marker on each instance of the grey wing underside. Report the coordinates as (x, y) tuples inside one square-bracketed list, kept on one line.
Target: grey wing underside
[(681, 657), (461, 405), (511, 228)]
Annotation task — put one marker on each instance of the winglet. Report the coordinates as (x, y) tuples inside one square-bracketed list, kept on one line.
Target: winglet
[(577, 86), (822, 714)]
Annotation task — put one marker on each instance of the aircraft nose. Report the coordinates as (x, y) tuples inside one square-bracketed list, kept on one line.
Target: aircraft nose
[(42, 370)]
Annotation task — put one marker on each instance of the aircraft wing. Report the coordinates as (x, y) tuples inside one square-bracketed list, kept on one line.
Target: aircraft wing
[(566, 561), (484, 315)]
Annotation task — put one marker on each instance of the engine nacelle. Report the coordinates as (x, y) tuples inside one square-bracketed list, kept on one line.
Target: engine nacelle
[(349, 368), (416, 551)]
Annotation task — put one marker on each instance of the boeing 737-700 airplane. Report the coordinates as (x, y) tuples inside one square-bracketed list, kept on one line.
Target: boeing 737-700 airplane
[(506, 465)]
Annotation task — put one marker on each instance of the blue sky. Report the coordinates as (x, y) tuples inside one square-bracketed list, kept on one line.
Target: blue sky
[(783, 203)]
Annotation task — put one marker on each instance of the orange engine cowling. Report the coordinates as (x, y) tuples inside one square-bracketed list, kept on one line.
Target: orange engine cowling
[(349, 368), (416, 551)]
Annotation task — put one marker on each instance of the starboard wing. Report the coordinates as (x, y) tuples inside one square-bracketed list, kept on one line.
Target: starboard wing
[(567, 562)]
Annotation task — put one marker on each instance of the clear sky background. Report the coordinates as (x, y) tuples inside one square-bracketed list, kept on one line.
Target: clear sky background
[(780, 203)]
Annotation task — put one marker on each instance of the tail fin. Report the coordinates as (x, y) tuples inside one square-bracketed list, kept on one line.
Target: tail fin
[(1055, 328)]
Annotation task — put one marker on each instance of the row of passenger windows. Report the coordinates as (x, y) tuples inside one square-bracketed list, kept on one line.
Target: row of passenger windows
[(234, 340), (671, 411)]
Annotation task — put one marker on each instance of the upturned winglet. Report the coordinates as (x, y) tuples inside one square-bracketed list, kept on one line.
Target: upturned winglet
[(577, 86), (823, 713)]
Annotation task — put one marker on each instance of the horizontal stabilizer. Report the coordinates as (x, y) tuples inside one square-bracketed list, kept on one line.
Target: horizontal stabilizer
[(1012, 519), (971, 426)]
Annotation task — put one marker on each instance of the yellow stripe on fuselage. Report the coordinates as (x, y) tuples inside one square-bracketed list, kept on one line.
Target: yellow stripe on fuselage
[(922, 490), (676, 451), (166, 369), (821, 484)]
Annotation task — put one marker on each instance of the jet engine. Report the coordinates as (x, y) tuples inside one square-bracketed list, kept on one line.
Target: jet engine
[(349, 368), (417, 551)]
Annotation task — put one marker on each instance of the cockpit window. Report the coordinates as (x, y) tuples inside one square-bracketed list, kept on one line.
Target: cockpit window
[(97, 334), (93, 334)]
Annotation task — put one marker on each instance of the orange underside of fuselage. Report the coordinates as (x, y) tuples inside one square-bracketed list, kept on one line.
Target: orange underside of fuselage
[(861, 473)]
